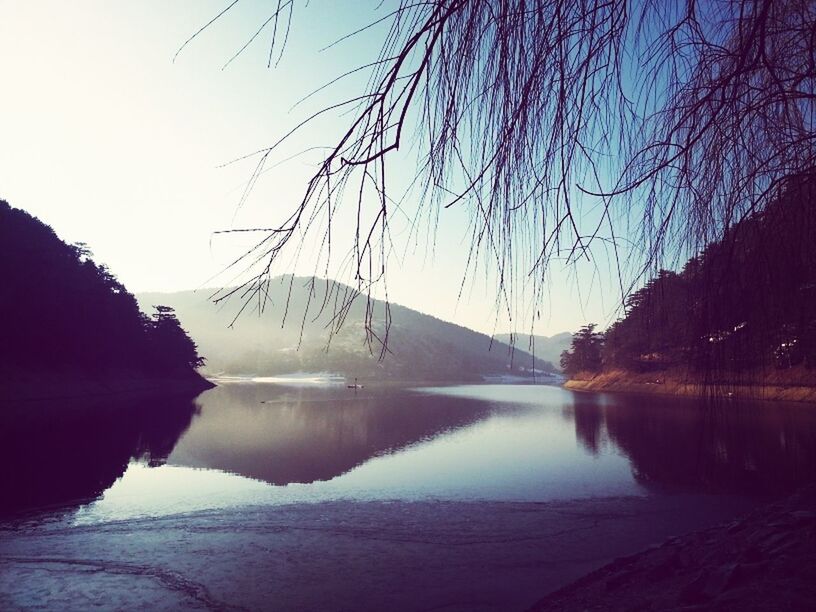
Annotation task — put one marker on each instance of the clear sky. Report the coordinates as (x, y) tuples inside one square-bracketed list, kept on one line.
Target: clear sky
[(109, 141)]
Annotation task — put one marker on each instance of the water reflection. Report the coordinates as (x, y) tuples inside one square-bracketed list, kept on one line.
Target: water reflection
[(758, 448), (498, 442), (286, 435), (70, 452), (589, 422), (495, 442)]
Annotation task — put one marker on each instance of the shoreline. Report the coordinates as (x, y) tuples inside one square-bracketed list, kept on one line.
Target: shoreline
[(475, 556), (308, 380), (33, 387), (763, 560), (768, 387)]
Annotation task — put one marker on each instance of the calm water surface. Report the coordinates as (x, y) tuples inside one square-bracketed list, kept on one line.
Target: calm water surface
[(249, 443)]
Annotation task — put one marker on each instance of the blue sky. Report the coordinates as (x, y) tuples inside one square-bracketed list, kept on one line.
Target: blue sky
[(110, 142)]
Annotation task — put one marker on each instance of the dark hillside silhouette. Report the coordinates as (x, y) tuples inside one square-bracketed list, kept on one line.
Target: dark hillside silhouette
[(746, 303), (62, 313), (584, 354)]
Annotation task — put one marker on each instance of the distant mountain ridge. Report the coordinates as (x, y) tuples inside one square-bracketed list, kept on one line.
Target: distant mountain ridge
[(420, 347), (548, 348)]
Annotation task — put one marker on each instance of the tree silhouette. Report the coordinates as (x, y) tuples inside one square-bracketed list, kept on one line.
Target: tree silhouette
[(746, 302), (672, 119), (174, 345), (62, 312), (585, 352)]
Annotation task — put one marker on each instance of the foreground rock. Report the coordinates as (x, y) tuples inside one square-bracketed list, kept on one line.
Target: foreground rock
[(766, 561)]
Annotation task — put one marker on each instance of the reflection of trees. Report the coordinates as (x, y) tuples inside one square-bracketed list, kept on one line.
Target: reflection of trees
[(588, 422), (56, 454), (750, 448), (307, 435)]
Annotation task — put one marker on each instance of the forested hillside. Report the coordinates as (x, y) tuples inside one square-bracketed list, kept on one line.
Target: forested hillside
[(297, 332), (61, 312), (745, 303)]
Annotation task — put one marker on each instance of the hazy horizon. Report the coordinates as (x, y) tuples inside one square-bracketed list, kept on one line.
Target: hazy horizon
[(203, 291), (113, 144)]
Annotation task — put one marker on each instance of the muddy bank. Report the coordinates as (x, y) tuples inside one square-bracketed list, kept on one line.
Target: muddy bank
[(765, 561), (779, 386)]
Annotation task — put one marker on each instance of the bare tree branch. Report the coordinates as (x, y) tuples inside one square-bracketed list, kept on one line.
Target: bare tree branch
[(679, 116)]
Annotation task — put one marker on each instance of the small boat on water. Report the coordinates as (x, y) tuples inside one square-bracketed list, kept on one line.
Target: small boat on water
[(355, 385)]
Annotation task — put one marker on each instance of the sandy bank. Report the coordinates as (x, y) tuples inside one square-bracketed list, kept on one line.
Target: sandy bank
[(794, 386)]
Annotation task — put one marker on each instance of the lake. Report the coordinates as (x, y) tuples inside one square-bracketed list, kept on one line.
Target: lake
[(461, 497)]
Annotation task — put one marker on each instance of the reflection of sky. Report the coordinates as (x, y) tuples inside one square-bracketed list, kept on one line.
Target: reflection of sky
[(530, 456), (523, 450)]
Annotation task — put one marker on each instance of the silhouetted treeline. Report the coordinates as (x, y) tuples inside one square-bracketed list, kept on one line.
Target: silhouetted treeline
[(584, 354), (59, 311), (746, 302)]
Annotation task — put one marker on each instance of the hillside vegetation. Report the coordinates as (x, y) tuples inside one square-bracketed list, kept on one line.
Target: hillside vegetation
[(63, 314), (292, 334), (741, 311)]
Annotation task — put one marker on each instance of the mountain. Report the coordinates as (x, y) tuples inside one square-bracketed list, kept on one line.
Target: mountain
[(548, 348), (318, 325), (66, 320)]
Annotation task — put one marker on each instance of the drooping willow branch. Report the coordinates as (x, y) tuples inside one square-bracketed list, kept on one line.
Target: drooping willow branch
[(561, 124)]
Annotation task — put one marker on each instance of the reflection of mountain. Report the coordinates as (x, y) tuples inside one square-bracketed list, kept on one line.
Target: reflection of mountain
[(292, 335), (305, 435), (742, 448), (63, 454)]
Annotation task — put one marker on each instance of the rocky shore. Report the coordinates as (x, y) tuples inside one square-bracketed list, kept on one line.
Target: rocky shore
[(764, 561)]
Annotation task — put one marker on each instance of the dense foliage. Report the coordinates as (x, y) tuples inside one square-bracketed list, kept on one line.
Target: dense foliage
[(61, 311), (584, 354), (745, 302)]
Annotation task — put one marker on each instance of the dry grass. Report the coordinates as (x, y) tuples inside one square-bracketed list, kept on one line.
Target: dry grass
[(794, 385)]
